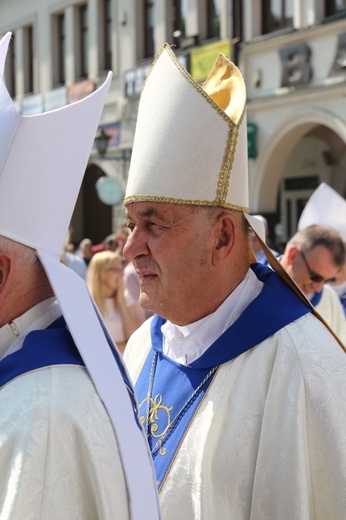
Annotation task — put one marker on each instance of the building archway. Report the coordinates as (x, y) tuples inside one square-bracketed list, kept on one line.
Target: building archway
[(306, 145)]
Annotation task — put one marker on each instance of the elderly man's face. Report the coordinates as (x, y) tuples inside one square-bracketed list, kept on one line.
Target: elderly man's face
[(170, 246)]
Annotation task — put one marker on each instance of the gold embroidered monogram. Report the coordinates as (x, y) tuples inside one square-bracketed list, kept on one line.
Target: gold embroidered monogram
[(155, 406)]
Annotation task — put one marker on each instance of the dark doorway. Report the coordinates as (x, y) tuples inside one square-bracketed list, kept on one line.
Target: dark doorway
[(92, 219)]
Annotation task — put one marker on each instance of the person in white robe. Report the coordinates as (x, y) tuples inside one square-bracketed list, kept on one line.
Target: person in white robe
[(331, 309), (59, 456), (340, 288), (241, 387), (326, 207), (314, 257), (71, 444)]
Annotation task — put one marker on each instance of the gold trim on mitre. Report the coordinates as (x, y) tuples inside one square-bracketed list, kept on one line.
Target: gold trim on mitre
[(225, 88), (207, 181), (142, 198)]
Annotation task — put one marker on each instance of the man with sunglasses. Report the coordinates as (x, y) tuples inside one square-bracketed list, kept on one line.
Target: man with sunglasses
[(313, 257)]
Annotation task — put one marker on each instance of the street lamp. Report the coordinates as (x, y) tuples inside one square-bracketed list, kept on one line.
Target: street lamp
[(101, 142)]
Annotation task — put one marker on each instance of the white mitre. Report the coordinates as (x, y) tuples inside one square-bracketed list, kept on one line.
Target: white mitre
[(325, 207), (190, 144), (42, 163), (176, 157)]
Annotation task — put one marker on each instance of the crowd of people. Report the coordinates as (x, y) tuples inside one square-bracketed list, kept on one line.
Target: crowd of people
[(109, 277)]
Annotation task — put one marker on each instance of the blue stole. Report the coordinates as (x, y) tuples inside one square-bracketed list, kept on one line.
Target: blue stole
[(41, 348), (316, 298), (343, 301), (178, 390)]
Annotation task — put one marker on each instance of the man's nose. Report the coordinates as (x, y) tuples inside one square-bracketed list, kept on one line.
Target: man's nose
[(135, 245)]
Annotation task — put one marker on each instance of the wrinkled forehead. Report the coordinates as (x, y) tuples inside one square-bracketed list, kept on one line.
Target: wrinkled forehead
[(159, 210)]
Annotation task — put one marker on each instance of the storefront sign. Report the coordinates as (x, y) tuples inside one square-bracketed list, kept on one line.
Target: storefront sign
[(55, 98), (188, 41), (134, 78), (339, 64), (32, 105), (296, 65), (296, 68), (202, 58), (113, 131), (251, 141), (80, 90)]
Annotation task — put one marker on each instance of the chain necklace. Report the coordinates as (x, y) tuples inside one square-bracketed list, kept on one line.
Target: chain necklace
[(172, 424)]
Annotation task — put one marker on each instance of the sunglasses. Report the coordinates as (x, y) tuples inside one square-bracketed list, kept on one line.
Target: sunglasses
[(314, 277)]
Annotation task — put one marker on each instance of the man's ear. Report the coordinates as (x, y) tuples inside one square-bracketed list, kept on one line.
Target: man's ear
[(5, 269), (291, 254), (223, 238)]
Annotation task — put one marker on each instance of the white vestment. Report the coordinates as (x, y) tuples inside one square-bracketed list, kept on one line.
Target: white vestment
[(330, 308), (59, 457), (268, 441)]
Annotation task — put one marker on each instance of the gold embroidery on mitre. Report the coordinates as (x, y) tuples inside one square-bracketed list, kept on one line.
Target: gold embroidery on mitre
[(164, 46), (170, 200), (194, 83), (225, 86), (227, 165)]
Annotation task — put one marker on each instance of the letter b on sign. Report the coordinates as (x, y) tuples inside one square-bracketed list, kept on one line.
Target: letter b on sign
[(295, 65)]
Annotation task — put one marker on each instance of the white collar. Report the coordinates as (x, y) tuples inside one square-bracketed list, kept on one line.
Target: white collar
[(185, 344), (38, 317)]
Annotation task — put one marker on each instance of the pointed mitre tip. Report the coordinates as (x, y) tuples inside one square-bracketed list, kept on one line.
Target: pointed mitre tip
[(104, 87), (4, 42), (109, 78)]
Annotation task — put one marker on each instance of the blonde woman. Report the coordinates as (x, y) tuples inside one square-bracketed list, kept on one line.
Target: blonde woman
[(119, 310)]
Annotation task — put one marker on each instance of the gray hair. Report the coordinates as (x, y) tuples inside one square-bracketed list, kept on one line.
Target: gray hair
[(27, 254), (33, 275), (310, 237)]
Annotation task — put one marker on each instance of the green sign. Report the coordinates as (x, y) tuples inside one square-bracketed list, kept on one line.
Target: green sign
[(251, 141)]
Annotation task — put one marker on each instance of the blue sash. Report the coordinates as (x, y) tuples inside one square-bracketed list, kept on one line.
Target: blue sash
[(343, 302), (316, 298), (41, 348), (53, 346), (173, 384)]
